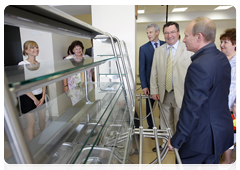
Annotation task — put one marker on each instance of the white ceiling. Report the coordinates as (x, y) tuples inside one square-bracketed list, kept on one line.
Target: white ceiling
[(160, 9), (149, 9), (74, 9)]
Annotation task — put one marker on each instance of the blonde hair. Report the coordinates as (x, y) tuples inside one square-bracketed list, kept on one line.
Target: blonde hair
[(28, 44), (205, 26)]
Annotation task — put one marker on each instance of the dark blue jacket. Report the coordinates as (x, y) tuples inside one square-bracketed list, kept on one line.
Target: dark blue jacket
[(146, 53), (205, 124)]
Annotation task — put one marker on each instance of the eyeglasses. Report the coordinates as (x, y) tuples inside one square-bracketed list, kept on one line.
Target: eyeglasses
[(172, 32)]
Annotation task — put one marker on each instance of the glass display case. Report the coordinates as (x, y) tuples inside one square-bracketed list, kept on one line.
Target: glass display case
[(89, 124)]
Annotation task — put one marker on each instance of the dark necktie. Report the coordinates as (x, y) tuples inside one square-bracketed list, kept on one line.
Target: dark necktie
[(156, 45)]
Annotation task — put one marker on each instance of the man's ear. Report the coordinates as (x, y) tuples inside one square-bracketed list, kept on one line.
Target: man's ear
[(199, 37)]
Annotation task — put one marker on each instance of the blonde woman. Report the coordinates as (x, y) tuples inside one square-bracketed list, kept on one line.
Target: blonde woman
[(35, 98)]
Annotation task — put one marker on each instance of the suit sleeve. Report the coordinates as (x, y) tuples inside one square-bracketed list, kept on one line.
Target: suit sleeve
[(154, 75), (198, 83), (142, 72)]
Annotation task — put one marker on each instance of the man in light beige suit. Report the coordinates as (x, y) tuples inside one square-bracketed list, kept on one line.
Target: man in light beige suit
[(168, 74)]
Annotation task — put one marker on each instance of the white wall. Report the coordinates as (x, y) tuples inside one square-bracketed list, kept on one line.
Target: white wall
[(43, 39), (119, 21)]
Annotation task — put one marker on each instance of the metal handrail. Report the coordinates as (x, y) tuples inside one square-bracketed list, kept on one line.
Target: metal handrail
[(15, 135), (154, 133), (125, 70), (170, 132)]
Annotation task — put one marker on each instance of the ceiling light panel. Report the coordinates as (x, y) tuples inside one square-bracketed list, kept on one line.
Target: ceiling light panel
[(223, 7), (179, 9), (141, 11)]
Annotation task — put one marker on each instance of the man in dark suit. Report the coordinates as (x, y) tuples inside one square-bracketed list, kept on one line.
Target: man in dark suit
[(146, 52), (205, 129), (89, 51)]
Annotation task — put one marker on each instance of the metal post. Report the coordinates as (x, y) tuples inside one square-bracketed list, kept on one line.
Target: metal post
[(155, 133), (170, 132), (86, 88), (120, 75), (129, 63), (141, 133), (13, 129), (125, 70)]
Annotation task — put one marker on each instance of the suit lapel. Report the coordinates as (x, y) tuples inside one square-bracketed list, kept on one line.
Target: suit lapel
[(164, 56), (150, 47), (180, 49)]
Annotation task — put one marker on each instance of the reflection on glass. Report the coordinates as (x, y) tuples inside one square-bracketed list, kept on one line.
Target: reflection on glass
[(35, 99), (75, 82)]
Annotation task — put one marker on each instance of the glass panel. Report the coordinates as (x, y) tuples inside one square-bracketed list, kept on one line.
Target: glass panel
[(29, 73), (53, 128), (97, 130), (112, 145)]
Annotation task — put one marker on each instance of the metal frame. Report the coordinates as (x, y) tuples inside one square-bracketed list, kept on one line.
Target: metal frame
[(49, 19), (154, 133), (13, 129)]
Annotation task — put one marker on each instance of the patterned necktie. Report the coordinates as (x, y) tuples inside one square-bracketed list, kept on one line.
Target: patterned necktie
[(168, 79), (156, 45)]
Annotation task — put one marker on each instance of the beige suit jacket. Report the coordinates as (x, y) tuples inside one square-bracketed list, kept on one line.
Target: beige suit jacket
[(159, 67)]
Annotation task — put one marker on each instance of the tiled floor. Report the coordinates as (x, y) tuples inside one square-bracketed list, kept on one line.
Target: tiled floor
[(148, 143)]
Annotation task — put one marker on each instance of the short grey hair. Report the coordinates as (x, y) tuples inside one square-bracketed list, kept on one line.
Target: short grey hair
[(205, 26), (156, 27)]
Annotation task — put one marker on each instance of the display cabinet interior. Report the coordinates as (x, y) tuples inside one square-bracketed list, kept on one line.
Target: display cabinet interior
[(97, 127)]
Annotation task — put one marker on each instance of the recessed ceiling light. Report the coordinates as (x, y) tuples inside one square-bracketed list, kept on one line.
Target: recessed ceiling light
[(141, 11), (223, 7), (179, 9)]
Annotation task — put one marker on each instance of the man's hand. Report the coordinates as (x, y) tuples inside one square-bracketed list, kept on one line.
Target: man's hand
[(155, 97), (169, 145), (145, 91)]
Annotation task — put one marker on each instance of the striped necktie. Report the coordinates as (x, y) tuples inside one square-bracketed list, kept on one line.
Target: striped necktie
[(168, 79)]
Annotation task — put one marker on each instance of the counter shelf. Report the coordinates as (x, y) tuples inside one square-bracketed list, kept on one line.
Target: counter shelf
[(63, 125), (21, 79)]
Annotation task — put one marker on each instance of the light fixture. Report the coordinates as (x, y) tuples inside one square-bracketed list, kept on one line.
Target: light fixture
[(223, 7), (141, 11), (179, 9)]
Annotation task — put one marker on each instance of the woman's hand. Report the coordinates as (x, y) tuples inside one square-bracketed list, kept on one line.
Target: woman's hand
[(41, 101), (234, 110), (66, 88), (36, 102)]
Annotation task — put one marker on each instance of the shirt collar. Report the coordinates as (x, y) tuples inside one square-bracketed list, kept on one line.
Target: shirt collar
[(233, 59), (175, 46), (156, 42)]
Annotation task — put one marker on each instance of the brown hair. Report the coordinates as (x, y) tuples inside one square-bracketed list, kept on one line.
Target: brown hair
[(229, 34), (74, 44), (206, 27), (28, 44)]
